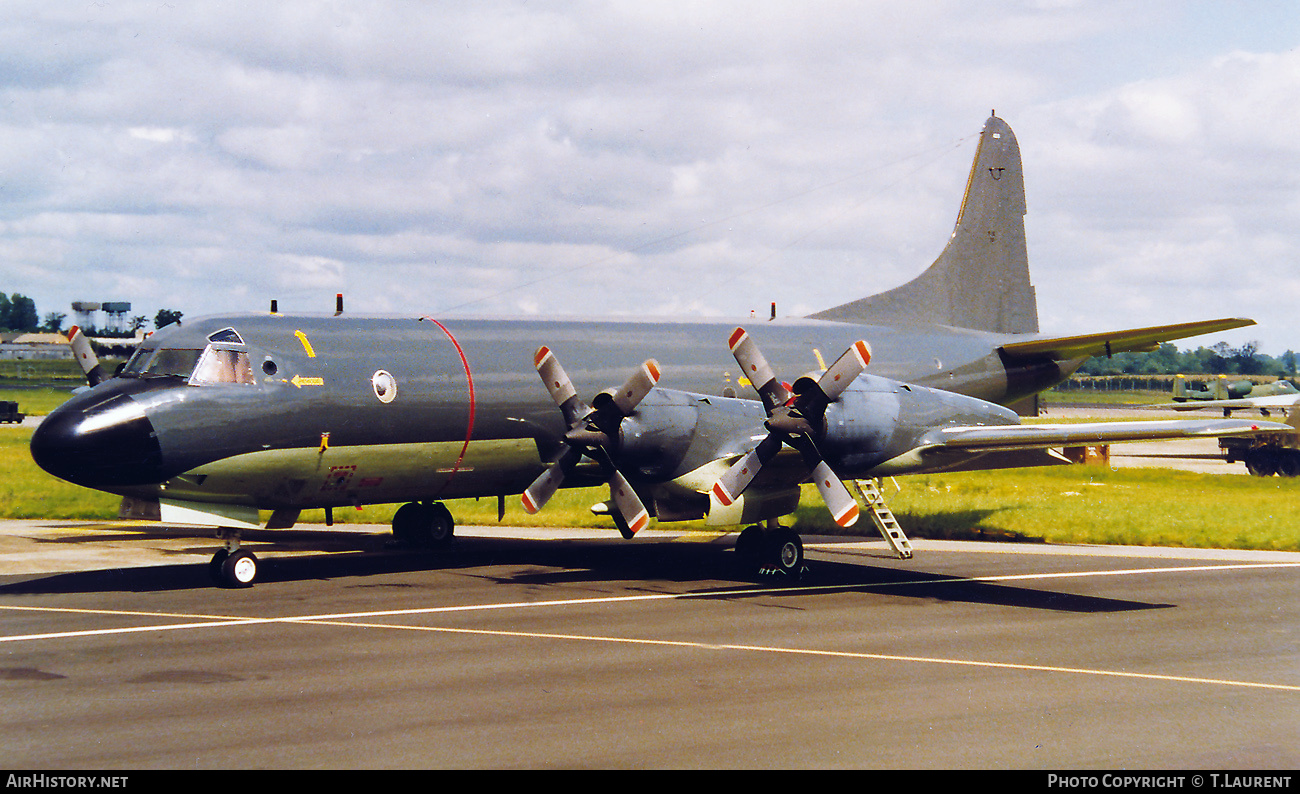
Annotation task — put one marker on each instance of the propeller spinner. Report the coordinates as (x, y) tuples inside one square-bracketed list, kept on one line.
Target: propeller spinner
[(593, 432), (795, 416)]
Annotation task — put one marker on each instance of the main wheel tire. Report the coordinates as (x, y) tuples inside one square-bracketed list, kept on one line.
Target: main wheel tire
[(442, 527), (423, 525), (786, 553), (409, 524), (749, 550), (1288, 463)]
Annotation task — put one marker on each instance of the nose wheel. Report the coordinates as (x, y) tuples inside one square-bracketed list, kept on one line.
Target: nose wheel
[(233, 567)]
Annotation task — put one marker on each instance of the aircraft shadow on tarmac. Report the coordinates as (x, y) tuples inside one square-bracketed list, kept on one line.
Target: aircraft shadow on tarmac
[(361, 558)]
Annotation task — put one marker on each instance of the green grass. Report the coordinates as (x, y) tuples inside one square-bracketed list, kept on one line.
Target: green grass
[(1100, 397), (1069, 504), (41, 386), (1092, 504), (28, 492), (36, 400), (40, 371)]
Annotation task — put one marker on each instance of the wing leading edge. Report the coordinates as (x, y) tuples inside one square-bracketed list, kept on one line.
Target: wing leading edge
[(1240, 404), (1009, 437), (1062, 348), (976, 448)]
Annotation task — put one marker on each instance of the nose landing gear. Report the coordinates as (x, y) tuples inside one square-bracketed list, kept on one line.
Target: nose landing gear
[(233, 567)]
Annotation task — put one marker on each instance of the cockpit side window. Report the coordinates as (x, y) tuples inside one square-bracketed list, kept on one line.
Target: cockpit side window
[(222, 365), (226, 335)]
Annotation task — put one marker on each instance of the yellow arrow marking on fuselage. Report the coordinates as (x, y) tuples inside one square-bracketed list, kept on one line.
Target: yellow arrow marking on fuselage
[(300, 381), (306, 344)]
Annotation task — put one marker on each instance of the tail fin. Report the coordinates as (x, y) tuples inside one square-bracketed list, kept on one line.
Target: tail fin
[(1180, 388), (981, 280)]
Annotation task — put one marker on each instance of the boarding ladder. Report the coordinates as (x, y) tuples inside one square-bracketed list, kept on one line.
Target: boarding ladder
[(869, 492)]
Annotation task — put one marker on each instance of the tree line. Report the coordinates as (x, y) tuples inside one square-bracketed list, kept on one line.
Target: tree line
[(18, 313), (1219, 359)]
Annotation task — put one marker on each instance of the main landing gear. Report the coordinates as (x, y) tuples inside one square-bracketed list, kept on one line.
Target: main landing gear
[(424, 525), (775, 551), (232, 566)]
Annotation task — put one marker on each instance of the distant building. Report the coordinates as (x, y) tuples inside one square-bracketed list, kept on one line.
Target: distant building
[(32, 346)]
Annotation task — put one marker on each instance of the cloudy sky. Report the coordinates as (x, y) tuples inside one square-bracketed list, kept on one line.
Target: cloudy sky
[(693, 158)]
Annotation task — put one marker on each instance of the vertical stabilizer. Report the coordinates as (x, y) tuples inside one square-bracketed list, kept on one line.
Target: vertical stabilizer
[(981, 280)]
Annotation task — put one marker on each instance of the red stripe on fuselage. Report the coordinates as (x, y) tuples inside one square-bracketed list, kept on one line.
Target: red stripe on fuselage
[(469, 381)]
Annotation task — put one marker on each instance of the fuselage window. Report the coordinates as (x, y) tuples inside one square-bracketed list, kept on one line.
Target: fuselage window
[(222, 365)]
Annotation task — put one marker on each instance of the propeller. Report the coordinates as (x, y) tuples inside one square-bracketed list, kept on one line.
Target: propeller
[(795, 416), (86, 357), (594, 433)]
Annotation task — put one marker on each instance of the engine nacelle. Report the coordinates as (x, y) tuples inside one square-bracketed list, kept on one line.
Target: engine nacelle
[(655, 440), (877, 419)]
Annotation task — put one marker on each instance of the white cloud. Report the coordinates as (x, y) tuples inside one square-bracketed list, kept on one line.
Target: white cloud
[(686, 157)]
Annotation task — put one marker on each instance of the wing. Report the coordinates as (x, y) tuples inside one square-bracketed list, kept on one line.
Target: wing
[(1274, 401), (1009, 437), (1133, 339), (1003, 446)]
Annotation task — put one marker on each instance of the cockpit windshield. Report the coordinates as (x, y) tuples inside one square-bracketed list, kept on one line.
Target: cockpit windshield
[(161, 363), (222, 361)]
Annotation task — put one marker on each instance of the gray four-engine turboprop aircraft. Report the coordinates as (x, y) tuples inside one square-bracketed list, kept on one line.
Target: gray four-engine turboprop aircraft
[(211, 422)]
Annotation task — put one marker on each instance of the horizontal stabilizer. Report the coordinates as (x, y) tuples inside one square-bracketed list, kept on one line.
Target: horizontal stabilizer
[(1062, 348)]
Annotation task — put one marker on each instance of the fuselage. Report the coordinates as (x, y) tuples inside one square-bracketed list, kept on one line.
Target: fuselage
[(280, 412)]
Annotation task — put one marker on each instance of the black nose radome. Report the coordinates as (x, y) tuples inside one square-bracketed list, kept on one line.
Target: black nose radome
[(99, 444)]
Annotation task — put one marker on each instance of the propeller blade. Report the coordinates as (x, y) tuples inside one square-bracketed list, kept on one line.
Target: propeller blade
[(86, 357), (757, 370), (843, 507), (629, 505), (736, 479), (544, 487), (593, 432), (846, 368), (635, 389), (795, 420), (558, 384)]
